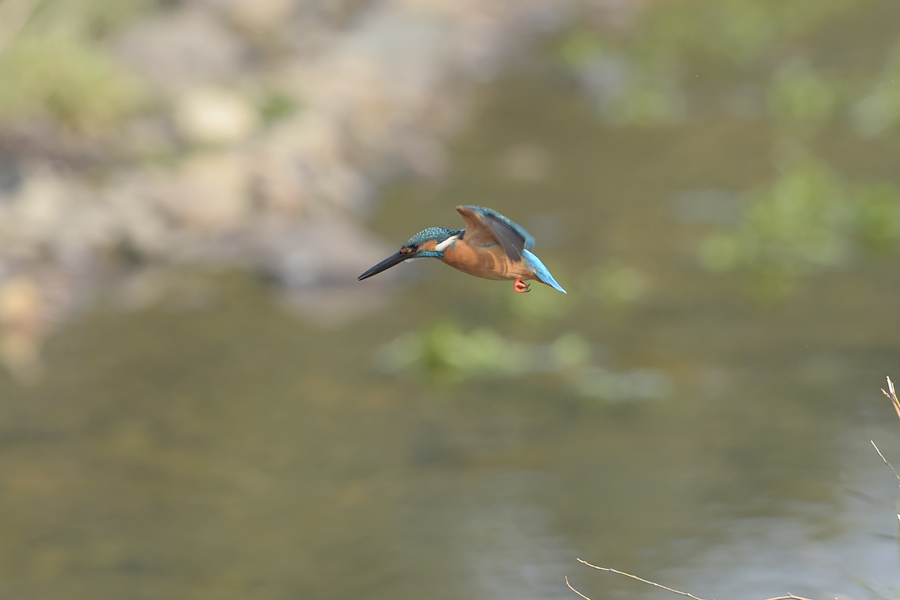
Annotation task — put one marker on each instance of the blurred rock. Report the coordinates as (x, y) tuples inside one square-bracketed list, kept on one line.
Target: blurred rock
[(35, 214), (42, 203), (142, 229), (22, 326), (321, 253), (181, 48), (260, 16), (214, 116), (20, 304), (150, 136), (208, 193), (317, 264), (309, 157), (279, 182)]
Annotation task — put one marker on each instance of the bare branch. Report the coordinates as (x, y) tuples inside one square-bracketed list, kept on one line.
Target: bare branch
[(892, 396), (642, 580), (660, 586), (885, 460)]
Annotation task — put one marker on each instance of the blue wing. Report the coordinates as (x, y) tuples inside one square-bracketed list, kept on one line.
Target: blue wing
[(486, 225)]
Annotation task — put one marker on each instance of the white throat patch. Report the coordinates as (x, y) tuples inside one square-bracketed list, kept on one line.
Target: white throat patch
[(446, 243)]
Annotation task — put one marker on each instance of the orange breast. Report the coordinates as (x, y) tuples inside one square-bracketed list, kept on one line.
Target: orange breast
[(489, 262)]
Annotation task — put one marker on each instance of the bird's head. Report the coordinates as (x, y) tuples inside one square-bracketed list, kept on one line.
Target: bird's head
[(429, 243)]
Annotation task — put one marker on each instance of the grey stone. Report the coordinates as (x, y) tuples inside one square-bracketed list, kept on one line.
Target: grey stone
[(181, 48)]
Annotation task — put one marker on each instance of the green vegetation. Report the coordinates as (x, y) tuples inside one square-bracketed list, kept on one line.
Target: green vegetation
[(799, 96), (66, 81), (627, 90), (445, 353), (641, 75), (56, 70), (276, 105), (877, 111), (94, 19), (807, 220), (734, 31)]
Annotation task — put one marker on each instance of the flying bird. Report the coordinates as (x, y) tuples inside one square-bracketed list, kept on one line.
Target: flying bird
[(491, 246)]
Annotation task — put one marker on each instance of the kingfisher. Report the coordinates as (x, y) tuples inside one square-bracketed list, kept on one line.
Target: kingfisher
[(491, 246)]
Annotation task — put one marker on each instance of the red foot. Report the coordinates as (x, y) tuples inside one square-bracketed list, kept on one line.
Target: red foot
[(520, 286)]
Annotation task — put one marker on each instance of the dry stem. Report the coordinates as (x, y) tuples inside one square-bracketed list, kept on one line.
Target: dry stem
[(885, 460), (896, 404), (660, 586), (892, 396)]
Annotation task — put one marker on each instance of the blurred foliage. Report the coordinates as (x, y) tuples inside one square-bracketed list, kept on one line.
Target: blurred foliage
[(639, 74), (94, 19), (445, 353), (878, 109), (275, 105), (800, 96), (808, 219), (613, 386), (55, 69), (736, 31), (625, 93), (66, 80)]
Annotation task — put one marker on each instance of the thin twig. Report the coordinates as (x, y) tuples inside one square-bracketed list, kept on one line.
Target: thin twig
[(635, 577), (885, 460), (896, 403), (574, 590), (892, 396), (660, 586)]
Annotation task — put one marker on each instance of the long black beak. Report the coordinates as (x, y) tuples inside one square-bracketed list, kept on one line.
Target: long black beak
[(386, 264)]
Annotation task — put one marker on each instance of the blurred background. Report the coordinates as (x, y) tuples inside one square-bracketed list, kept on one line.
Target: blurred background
[(199, 400)]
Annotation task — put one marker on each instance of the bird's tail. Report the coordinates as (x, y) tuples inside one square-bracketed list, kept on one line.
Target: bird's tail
[(540, 271)]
